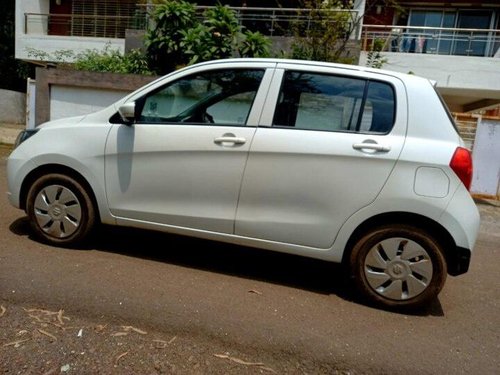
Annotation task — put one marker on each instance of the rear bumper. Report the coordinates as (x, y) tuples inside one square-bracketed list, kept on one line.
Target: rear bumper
[(458, 261)]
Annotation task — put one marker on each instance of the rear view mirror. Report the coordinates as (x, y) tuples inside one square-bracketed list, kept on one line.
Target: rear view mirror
[(127, 112)]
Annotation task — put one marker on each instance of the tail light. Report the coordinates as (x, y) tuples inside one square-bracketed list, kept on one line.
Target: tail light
[(461, 163)]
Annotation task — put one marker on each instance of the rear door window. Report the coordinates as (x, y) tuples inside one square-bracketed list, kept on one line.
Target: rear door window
[(323, 102)]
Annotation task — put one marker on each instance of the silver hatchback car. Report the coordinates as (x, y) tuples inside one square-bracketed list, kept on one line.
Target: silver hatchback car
[(335, 162)]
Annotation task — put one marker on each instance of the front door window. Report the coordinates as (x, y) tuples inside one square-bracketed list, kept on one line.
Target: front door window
[(221, 97)]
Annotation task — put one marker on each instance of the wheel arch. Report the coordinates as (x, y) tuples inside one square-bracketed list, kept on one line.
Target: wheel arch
[(61, 169), (436, 230)]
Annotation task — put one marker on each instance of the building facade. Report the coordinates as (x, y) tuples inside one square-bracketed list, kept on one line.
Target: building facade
[(456, 43), (46, 27)]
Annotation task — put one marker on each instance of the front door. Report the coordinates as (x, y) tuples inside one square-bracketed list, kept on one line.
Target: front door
[(181, 163), (59, 21)]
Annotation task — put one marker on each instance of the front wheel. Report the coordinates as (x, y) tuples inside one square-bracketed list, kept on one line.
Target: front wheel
[(61, 212), (398, 266)]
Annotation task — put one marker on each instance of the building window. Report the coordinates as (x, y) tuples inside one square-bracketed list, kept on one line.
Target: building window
[(108, 19), (475, 43)]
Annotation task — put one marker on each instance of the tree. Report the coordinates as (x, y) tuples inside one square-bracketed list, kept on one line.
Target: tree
[(171, 20), (177, 37), (13, 73), (326, 28), (375, 58)]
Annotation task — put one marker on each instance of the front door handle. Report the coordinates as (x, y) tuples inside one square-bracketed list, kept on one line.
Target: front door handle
[(229, 139), (371, 147)]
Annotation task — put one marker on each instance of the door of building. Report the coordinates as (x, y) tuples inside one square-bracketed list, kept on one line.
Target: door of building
[(60, 17)]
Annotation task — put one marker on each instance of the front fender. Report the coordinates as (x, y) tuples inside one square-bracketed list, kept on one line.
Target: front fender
[(77, 147)]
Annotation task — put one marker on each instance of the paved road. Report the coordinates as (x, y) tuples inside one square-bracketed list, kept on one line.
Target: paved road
[(283, 310)]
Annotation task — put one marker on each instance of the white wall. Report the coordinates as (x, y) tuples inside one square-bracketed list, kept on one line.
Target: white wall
[(74, 101), (486, 158), (466, 72), (39, 40), (30, 103), (50, 44), (27, 6)]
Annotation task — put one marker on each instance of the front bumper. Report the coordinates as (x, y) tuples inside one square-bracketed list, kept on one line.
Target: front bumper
[(18, 167)]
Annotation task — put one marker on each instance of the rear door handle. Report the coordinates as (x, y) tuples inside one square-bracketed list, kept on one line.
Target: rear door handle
[(371, 147), (229, 139)]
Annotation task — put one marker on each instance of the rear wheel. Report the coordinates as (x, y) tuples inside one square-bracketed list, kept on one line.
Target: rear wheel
[(398, 266), (60, 210)]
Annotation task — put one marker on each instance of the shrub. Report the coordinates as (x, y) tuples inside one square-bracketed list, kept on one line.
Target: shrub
[(133, 62), (107, 60), (218, 36), (171, 20)]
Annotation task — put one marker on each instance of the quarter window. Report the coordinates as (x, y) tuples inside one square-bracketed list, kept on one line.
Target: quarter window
[(221, 97), (334, 103)]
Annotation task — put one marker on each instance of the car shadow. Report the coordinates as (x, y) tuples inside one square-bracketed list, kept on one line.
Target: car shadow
[(278, 268)]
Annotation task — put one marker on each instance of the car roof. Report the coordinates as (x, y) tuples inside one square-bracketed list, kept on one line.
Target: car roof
[(311, 63)]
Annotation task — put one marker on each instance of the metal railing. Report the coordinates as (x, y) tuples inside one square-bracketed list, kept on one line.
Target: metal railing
[(83, 25), (433, 40), (282, 21), (269, 21)]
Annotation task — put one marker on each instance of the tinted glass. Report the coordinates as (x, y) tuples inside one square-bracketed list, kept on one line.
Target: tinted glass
[(319, 102), (221, 97), (379, 110), (332, 103)]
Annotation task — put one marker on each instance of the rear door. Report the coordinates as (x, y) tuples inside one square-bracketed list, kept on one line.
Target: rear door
[(327, 143)]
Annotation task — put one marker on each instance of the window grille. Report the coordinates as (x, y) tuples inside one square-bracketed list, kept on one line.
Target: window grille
[(107, 19)]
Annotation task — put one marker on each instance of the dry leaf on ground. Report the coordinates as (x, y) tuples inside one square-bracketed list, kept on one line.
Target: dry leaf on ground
[(47, 334), (255, 292), (137, 330), (118, 334), (260, 365), (117, 359), (16, 344)]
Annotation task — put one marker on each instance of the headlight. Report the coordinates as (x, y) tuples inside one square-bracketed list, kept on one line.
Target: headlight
[(24, 135)]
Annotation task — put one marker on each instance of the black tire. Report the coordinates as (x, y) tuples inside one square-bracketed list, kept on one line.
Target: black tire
[(60, 210), (411, 271)]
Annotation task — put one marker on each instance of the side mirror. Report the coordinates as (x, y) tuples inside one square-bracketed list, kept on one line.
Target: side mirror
[(127, 112)]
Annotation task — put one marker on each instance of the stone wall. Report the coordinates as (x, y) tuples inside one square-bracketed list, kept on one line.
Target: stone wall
[(12, 107), (80, 92)]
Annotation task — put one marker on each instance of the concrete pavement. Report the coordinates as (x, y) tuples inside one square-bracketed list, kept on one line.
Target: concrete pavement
[(9, 132)]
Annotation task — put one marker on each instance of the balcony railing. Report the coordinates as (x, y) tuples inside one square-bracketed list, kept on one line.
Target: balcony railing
[(282, 21), (269, 21), (82, 25), (433, 40)]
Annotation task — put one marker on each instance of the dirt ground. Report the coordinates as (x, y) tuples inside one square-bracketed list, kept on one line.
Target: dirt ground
[(38, 341), (147, 303), (35, 340)]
